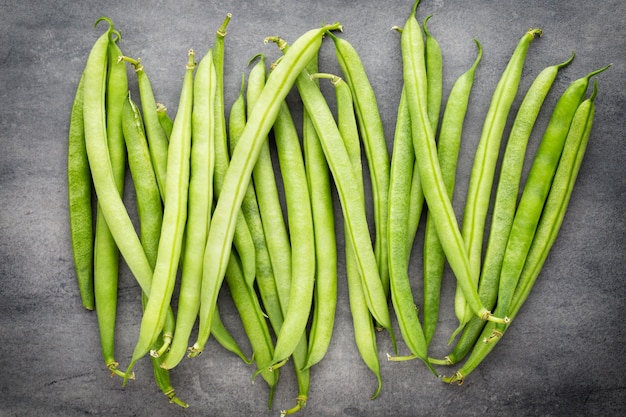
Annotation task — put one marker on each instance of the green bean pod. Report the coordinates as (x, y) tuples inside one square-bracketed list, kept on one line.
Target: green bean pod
[(325, 296), (155, 133), (547, 230), (242, 238), (399, 189), (79, 201), (506, 201), (485, 159), (434, 72), (536, 190), (106, 254), (274, 226), (239, 171), (364, 330), (448, 152), (428, 164), (250, 211), (301, 235), (374, 143), (174, 217), (200, 200)]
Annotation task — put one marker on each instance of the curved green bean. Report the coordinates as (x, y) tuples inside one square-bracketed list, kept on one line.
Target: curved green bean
[(448, 152), (174, 217), (347, 185), (106, 254), (164, 120), (200, 200), (547, 229), (373, 136)]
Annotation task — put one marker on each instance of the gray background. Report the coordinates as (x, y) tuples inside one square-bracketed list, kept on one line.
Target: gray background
[(563, 355)]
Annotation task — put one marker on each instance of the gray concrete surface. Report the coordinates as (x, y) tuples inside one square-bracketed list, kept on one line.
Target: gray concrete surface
[(563, 355)]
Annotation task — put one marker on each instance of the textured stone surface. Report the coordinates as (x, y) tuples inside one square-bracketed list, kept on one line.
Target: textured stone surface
[(563, 355)]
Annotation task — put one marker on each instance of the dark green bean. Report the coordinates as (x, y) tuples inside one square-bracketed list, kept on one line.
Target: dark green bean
[(106, 254), (485, 159), (505, 202), (547, 230), (79, 201), (536, 190)]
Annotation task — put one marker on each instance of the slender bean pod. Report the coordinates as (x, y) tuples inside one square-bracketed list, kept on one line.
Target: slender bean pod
[(106, 254), (79, 201), (399, 188), (547, 230), (485, 159), (325, 297), (373, 136), (200, 200), (429, 168), (448, 152), (174, 217)]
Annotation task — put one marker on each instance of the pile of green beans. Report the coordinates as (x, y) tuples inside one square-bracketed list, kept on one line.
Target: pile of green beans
[(209, 209)]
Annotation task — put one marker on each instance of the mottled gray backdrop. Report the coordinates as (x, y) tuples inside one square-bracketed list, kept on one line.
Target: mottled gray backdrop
[(562, 356)]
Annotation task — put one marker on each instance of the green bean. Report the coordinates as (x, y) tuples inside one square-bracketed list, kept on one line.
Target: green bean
[(485, 159), (428, 164), (242, 239), (363, 325), (275, 230), (291, 339), (106, 254), (506, 202), (547, 230), (434, 72), (109, 199), (174, 217), (250, 211), (399, 189), (448, 151), (374, 144), (149, 206), (200, 201), (79, 201), (157, 138), (536, 190), (348, 190), (239, 171), (325, 296), (164, 120), (148, 197), (300, 234), (255, 326)]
